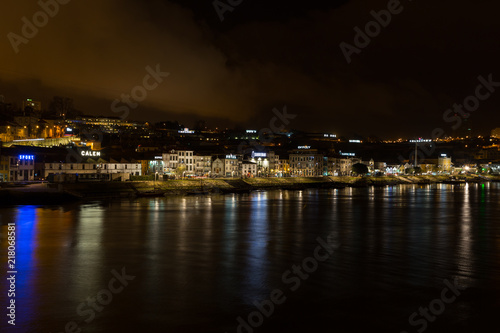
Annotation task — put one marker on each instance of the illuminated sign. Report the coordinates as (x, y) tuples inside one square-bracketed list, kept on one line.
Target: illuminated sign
[(355, 141), (443, 155), (330, 135), (254, 154), (158, 157), (420, 140), (304, 147), (231, 157), (251, 131), (88, 153), (186, 131), (69, 129), (27, 157), (348, 154)]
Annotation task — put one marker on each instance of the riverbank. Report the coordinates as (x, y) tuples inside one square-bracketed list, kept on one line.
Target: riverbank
[(45, 194)]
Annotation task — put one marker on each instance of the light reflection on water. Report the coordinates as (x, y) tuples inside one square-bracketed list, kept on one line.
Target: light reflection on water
[(202, 261)]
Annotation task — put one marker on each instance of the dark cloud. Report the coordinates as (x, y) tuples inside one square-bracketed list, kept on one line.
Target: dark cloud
[(264, 55)]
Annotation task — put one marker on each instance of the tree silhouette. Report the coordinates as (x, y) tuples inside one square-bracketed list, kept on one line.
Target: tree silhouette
[(360, 169)]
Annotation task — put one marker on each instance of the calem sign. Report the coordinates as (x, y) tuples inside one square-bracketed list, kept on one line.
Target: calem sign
[(89, 153)]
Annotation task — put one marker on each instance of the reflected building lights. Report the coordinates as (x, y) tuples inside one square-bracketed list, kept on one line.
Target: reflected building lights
[(464, 258), (257, 240), (89, 245), (27, 257)]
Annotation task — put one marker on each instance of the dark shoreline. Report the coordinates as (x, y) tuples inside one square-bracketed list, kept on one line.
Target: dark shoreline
[(54, 194)]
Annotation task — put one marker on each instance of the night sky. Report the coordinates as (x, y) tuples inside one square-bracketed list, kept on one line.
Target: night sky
[(264, 54)]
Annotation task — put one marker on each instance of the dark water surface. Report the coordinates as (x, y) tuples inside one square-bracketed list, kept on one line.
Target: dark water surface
[(201, 262)]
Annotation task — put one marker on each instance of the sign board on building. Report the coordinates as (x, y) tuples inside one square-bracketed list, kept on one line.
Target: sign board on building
[(304, 147), (27, 157), (186, 131), (420, 140), (231, 157), (88, 153), (254, 154)]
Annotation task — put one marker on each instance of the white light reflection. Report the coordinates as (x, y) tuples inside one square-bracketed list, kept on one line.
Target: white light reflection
[(258, 238), (155, 217), (89, 246), (371, 195), (230, 241), (464, 258)]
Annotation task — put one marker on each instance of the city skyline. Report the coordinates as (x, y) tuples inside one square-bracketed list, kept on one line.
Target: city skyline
[(463, 129), (235, 71)]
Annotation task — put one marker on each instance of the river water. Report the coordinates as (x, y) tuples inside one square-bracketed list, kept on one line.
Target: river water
[(343, 260)]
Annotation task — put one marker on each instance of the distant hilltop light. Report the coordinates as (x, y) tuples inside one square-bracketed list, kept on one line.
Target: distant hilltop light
[(35, 105), (186, 131), (496, 133)]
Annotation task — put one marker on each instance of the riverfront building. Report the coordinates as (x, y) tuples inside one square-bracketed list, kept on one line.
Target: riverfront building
[(179, 162), (306, 162), (91, 169)]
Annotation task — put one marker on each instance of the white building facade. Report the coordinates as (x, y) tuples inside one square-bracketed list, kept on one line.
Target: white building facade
[(179, 162), (202, 165), (93, 169)]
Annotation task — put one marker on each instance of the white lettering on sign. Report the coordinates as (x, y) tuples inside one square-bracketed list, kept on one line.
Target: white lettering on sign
[(89, 153)]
